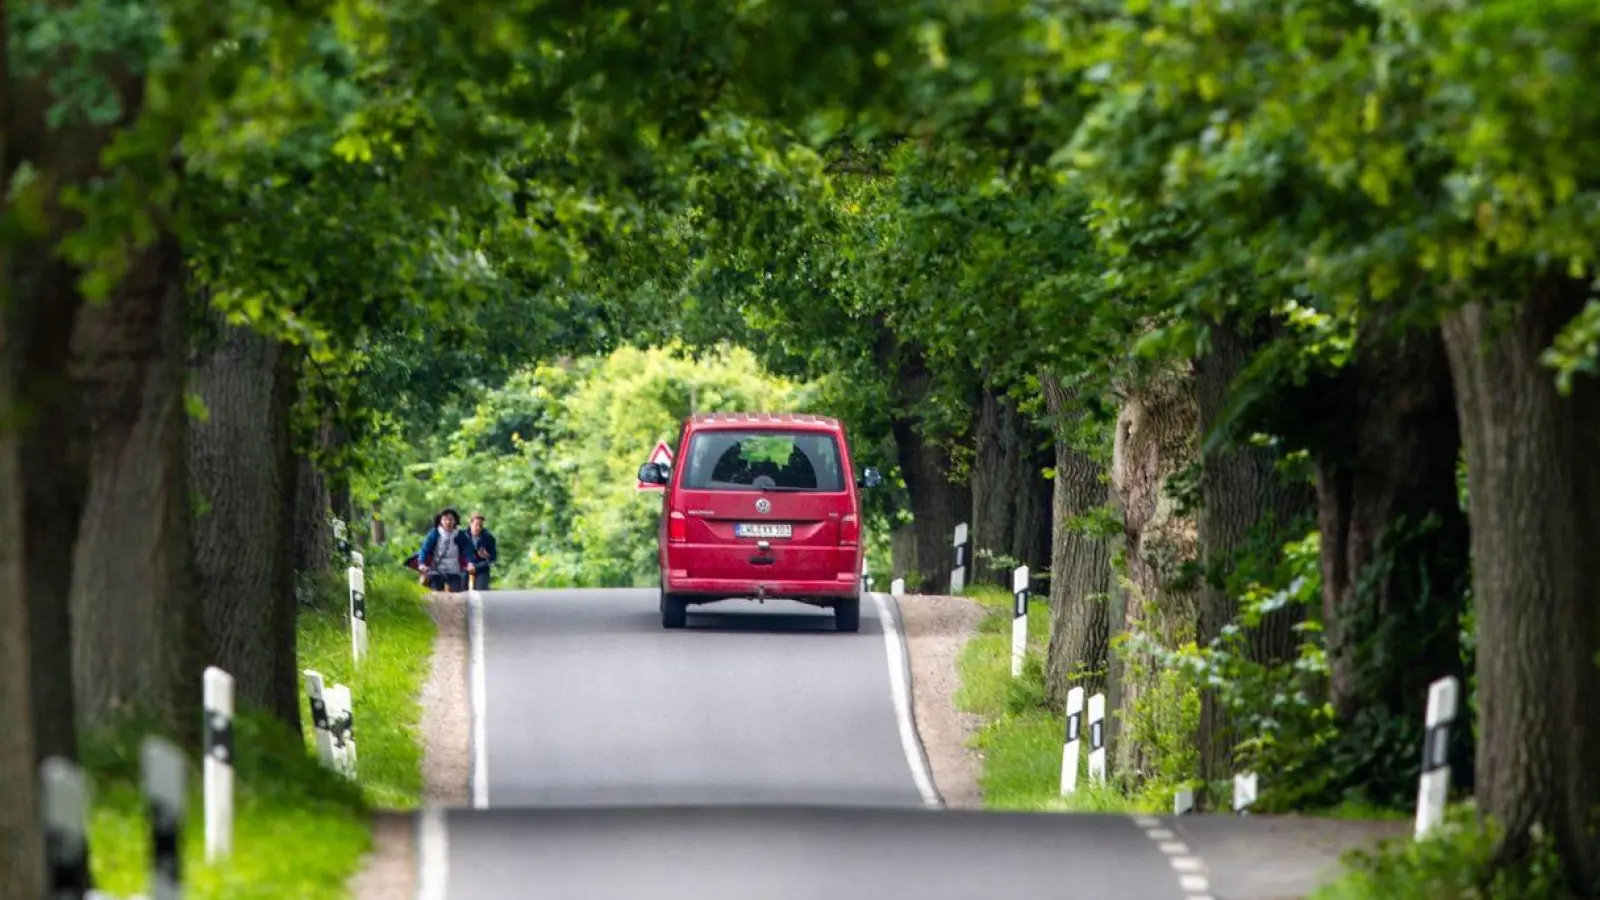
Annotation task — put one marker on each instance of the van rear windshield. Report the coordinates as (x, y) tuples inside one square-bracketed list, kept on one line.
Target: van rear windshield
[(764, 460)]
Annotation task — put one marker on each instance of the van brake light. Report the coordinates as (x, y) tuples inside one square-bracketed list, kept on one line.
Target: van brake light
[(677, 527), (849, 531)]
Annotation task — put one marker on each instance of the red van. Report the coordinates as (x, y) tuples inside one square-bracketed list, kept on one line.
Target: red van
[(758, 506)]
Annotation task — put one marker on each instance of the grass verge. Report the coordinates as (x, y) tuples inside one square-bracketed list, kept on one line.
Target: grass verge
[(386, 688), (300, 830), (1455, 864), (1021, 740)]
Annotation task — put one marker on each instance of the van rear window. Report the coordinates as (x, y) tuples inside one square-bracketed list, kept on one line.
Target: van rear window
[(764, 460)]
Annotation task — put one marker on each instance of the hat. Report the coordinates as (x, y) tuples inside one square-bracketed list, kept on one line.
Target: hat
[(475, 516)]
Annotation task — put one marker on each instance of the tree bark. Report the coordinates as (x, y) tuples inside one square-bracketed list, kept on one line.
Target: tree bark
[(902, 551), (243, 469), (938, 503), (1011, 498), (313, 536), (1395, 546), (1244, 502), (1155, 440), (1535, 508), (21, 842), (1080, 566), (138, 631)]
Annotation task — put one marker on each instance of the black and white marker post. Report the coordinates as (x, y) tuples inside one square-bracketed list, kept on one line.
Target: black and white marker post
[(1070, 749), (1019, 619), (358, 612), (1244, 792), (958, 575), (1097, 738), (341, 728), (165, 775), (219, 764), (319, 717), (65, 812), (1434, 788), (897, 587)]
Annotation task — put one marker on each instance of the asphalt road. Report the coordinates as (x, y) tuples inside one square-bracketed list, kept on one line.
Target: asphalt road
[(761, 754)]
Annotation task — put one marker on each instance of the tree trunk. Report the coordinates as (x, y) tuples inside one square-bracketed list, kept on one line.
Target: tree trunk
[(938, 503), (902, 551), (1080, 566), (1011, 498), (21, 843), (1535, 509), (1245, 506), (243, 469), (1395, 546), (313, 536), (1155, 440), (138, 631)]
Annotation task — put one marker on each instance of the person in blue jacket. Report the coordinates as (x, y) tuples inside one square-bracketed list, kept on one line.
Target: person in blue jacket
[(483, 551), (446, 557)]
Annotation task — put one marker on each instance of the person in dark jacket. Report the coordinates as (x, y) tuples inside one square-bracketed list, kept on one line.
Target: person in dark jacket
[(445, 559), (483, 551)]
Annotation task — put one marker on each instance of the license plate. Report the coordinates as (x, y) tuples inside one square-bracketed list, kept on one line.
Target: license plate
[(762, 530)]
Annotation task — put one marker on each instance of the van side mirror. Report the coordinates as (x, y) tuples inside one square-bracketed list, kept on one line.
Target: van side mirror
[(869, 478), (653, 473)]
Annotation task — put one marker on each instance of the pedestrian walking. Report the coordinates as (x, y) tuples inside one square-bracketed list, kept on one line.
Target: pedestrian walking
[(483, 551), (445, 559)]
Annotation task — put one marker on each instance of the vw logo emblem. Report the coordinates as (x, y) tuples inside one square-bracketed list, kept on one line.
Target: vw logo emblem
[(763, 506)]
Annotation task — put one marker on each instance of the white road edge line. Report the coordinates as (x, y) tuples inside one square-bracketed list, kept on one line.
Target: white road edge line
[(433, 854), (899, 662), (480, 746)]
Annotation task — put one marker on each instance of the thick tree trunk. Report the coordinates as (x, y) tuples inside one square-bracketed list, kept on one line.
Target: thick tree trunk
[(1155, 440), (1245, 506), (902, 551), (1080, 566), (21, 843), (313, 536), (1395, 546), (138, 632), (938, 503), (243, 470), (1535, 509), (1011, 498)]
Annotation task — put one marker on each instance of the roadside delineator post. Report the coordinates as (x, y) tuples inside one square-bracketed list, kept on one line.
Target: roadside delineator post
[(1070, 749), (1183, 802), (866, 574), (64, 802), (165, 777), (1019, 619), (319, 716), (358, 612), (1434, 787), (1097, 738), (218, 771), (958, 574), (897, 587), (341, 728), (1244, 792)]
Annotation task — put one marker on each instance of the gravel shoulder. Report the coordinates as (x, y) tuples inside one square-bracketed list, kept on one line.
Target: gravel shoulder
[(936, 630), (390, 870)]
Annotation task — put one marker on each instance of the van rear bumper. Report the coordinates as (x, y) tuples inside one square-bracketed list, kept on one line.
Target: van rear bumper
[(729, 588)]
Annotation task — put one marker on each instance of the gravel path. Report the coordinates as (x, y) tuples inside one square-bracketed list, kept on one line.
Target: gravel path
[(937, 628), (389, 872)]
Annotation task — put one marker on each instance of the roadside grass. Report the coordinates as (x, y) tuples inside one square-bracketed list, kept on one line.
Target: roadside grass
[(1455, 864), (300, 830), (386, 689), (1021, 740)]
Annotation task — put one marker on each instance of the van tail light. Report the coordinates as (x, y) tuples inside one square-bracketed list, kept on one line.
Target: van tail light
[(677, 527), (849, 531)]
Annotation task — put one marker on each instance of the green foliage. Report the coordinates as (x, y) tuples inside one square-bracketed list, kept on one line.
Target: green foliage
[(553, 456), (1457, 863)]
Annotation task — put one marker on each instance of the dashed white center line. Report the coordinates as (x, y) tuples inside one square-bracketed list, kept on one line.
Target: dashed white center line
[(1189, 866)]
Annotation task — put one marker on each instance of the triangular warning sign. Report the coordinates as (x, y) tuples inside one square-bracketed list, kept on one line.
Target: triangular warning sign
[(661, 454)]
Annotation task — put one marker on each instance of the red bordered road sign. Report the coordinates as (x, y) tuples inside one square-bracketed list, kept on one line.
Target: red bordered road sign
[(661, 454)]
